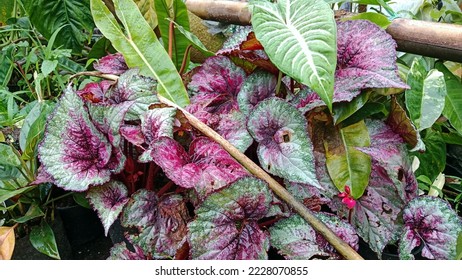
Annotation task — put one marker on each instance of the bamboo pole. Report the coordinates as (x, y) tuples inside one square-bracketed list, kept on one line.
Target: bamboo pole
[(433, 39), (341, 246)]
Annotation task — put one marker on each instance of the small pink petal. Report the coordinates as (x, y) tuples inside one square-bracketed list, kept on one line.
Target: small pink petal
[(349, 202)]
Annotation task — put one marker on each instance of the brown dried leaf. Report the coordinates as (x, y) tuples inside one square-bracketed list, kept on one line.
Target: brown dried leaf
[(7, 241)]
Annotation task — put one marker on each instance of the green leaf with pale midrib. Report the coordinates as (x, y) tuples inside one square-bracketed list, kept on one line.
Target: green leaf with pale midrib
[(425, 99), (299, 37), (346, 164), (140, 47), (453, 105)]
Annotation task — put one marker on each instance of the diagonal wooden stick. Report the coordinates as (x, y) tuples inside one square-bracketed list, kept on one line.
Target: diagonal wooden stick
[(341, 246)]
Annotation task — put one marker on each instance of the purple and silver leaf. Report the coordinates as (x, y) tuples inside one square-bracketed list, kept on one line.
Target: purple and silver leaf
[(132, 87), (161, 224), (284, 149), (133, 134), (389, 151), (120, 252), (154, 124), (430, 222), (141, 209), (226, 224), (258, 86), (108, 201), (207, 167), (111, 64), (233, 128), (220, 80), (365, 59), (95, 92), (73, 151), (295, 239), (233, 43)]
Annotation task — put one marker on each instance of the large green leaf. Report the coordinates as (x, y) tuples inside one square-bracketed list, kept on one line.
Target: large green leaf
[(73, 15), (433, 160), (43, 239), (299, 37), (8, 156), (425, 98), (346, 164), (453, 105), (140, 46), (178, 13)]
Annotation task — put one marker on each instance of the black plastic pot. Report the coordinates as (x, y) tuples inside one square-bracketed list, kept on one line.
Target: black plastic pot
[(82, 225)]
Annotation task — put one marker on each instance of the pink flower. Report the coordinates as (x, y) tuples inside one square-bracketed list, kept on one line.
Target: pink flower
[(347, 199)]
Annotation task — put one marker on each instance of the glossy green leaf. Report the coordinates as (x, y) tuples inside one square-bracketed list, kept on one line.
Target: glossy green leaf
[(367, 110), (194, 40), (8, 156), (33, 128), (177, 12), (33, 212), (8, 193), (81, 200), (433, 160), (376, 18), (425, 98), (72, 15), (299, 37), (346, 164), (453, 105), (148, 10), (343, 110), (140, 47), (43, 239), (459, 247)]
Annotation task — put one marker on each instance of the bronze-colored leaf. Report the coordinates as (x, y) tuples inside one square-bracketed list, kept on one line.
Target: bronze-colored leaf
[(7, 241)]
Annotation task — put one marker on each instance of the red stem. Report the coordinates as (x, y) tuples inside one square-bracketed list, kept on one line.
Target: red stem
[(171, 35), (269, 222), (165, 188), (185, 57), (152, 172)]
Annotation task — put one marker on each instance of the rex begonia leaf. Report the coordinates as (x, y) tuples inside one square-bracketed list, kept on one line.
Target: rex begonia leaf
[(215, 87), (73, 151), (207, 167), (95, 92), (108, 201), (226, 224), (154, 124), (258, 86), (132, 87), (295, 239), (111, 64), (430, 222), (246, 51), (161, 223), (220, 78), (365, 59), (120, 252), (133, 134), (284, 147)]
